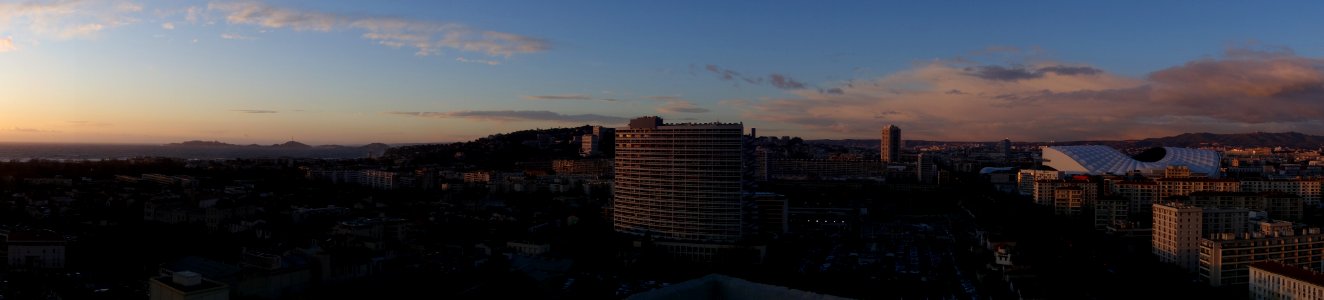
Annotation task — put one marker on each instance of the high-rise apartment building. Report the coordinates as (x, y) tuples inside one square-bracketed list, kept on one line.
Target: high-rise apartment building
[(891, 144), (1179, 227), (679, 182), (1176, 235)]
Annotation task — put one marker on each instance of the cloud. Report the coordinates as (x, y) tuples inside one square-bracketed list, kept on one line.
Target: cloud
[(32, 130), (168, 26), (255, 111), (7, 44), (89, 124), (477, 61), (664, 98), (235, 36), (516, 116), (834, 91), (559, 97), (1247, 86), (1014, 73), (426, 37), (680, 106), (1240, 91), (783, 82), (67, 19), (723, 73), (777, 80)]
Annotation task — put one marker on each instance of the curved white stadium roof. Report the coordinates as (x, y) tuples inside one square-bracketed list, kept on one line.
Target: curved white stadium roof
[(1098, 160)]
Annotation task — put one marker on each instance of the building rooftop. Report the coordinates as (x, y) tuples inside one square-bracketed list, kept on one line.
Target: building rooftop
[(203, 285), (1305, 275), (35, 236)]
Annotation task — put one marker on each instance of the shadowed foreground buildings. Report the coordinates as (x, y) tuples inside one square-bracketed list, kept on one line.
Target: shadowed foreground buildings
[(715, 287)]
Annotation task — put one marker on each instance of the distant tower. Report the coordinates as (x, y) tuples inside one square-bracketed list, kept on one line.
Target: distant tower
[(1005, 148), (891, 144)]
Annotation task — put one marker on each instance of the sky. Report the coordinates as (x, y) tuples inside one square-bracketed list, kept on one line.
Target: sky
[(403, 71)]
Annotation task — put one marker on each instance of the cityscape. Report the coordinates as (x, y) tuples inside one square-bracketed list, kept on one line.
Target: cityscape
[(688, 150)]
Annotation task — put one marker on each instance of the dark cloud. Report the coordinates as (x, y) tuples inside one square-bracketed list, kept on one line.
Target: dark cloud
[(255, 111), (956, 92), (559, 97), (783, 82), (1001, 73), (832, 91), (1070, 70), (1016, 72), (725, 74), (516, 115), (777, 80)]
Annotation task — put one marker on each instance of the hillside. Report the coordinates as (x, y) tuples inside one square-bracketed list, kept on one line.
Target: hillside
[(1257, 139)]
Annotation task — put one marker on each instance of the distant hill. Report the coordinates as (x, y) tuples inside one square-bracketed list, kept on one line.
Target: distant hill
[(196, 143), (286, 145), (502, 150), (1256, 139)]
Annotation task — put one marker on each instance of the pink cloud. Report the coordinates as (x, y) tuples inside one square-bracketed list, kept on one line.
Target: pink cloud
[(960, 100)]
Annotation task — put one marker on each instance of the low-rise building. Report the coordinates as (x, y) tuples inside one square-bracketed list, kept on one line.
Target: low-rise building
[(186, 285), (1275, 280), (1225, 258)]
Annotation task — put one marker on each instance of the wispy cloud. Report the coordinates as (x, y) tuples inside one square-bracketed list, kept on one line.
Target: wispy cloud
[(426, 37), (680, 106), (777, 80), (235, 36), (168, 26), (559, 97), (516, 115), (477, 61), (255, 111), (89, 124), (32, 130), (664, 98), (7, 44), (67, 19), (1242, 90)]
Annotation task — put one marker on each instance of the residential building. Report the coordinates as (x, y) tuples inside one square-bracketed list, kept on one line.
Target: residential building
[(1225, 259), (1186, 186), (679, 181), (1309, 190), (890, 147), (1270, 280)]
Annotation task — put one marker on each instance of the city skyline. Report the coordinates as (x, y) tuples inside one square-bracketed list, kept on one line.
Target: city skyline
[(415, 72)]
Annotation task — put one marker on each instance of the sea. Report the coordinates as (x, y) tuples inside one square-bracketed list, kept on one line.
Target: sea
[(94, 152)]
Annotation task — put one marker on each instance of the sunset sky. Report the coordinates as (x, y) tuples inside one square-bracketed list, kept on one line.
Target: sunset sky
[(403, 71)]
